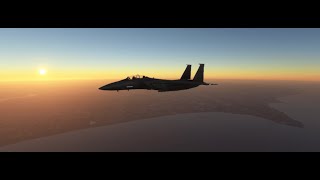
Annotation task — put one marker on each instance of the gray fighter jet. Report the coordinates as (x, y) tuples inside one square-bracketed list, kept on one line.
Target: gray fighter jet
[(162, 85)]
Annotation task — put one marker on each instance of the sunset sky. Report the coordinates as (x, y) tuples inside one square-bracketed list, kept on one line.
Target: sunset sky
[(75, 53)]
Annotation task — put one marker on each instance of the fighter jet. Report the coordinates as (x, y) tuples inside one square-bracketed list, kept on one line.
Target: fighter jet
[(161, 85)]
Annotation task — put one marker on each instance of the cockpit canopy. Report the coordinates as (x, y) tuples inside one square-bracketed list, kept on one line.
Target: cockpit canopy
[(136, 77)]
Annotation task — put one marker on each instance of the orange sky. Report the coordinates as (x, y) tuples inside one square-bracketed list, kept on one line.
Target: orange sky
[(293, 73), (102, 53)]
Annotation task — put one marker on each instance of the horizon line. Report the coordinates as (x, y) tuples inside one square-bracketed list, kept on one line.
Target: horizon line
[(79, 79)]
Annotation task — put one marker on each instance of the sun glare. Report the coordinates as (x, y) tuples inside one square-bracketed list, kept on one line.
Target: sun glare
[(42, 71)]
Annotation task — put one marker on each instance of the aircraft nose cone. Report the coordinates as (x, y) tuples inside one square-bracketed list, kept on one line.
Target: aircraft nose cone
[(107, 87), (103, 88), (112, 86)]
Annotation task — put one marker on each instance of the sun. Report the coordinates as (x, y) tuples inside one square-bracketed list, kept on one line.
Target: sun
[(42, 71)]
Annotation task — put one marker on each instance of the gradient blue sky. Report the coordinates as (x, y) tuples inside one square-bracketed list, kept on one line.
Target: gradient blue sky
[(170, 49)]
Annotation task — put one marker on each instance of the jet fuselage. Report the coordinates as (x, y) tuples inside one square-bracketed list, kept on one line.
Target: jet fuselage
[(162, 85), (152, 84)]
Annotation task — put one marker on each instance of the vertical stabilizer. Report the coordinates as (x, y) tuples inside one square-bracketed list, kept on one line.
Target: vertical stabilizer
[(199, 75), (187, 73)]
